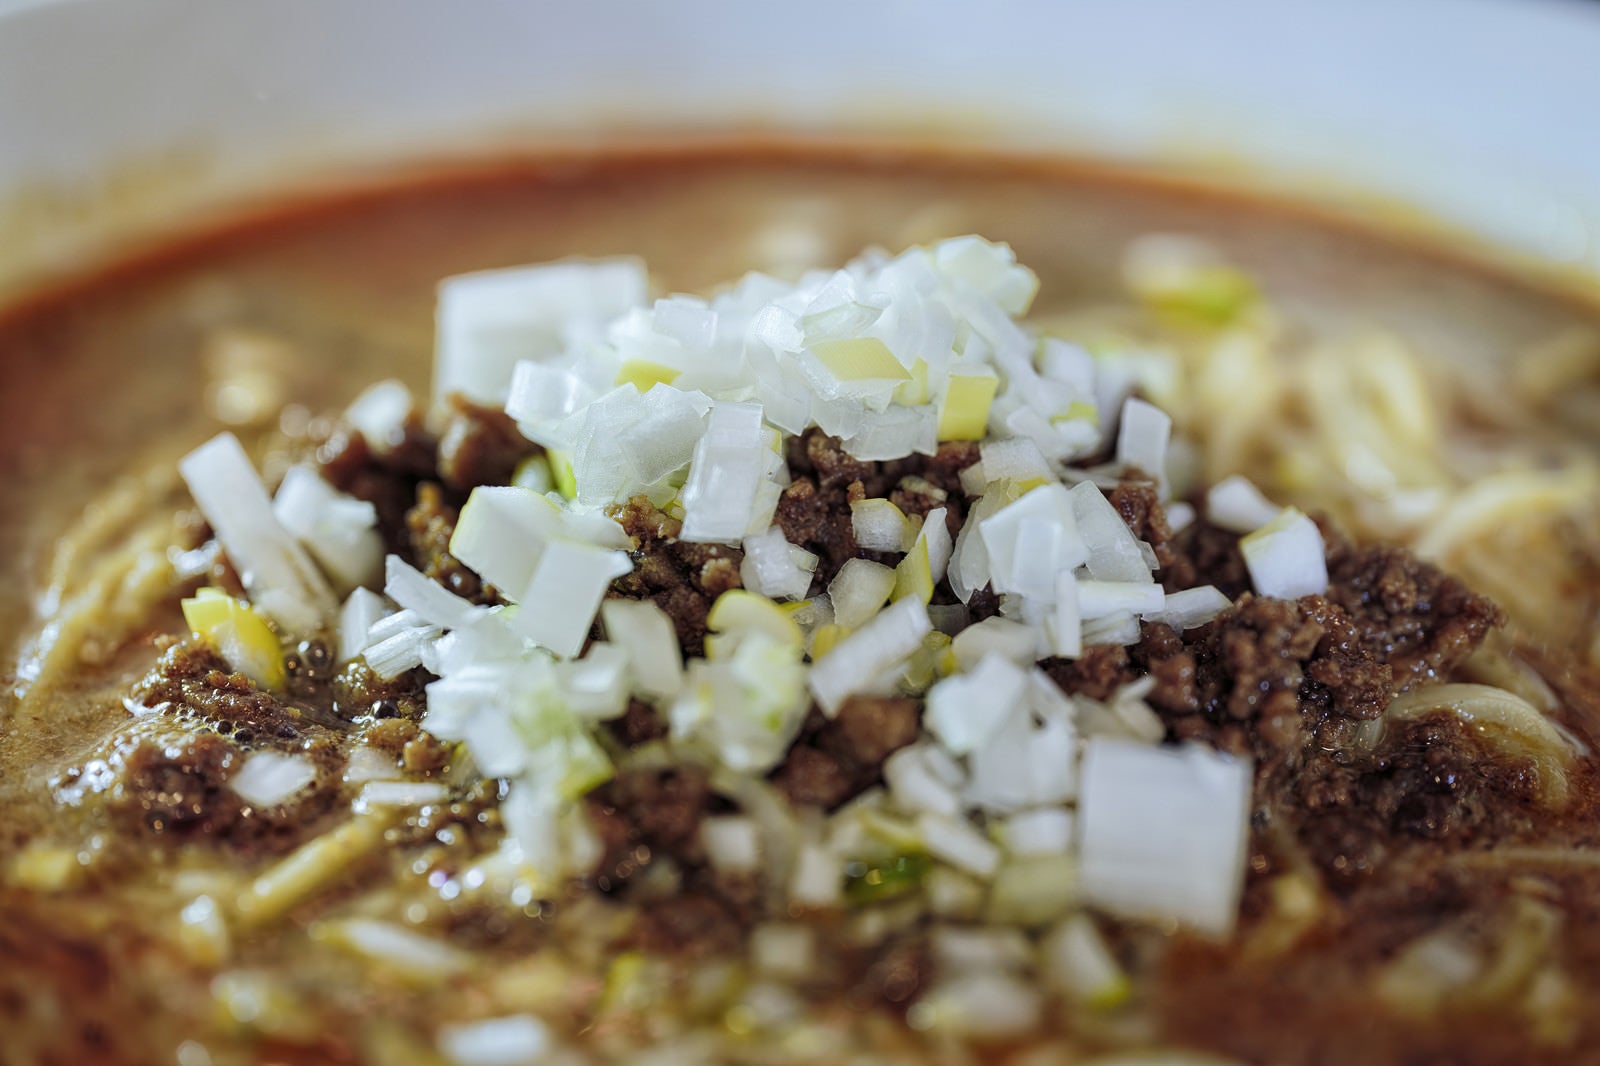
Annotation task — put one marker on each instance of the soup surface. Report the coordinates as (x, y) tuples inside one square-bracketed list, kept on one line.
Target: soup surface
[(1427, 895)]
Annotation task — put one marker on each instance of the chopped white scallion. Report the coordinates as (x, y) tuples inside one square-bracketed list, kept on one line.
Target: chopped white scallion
[(380, 414), (1097, 599), (490, 320), (786, 951), (501, 532), (867, 656), (1024, 763), (1076, 961), (596, 686), (1286, 557), (399, 794), (732, 843), (1164, 832), (276, 571), (1032, 540), (721, 494), (965, 710), (1192, 607), (1040, 831), (268, 778), (400, 950), (1013, 641), (432, 602), (859, 590), (880, 526), (1119, 627), (1142, 438), (390, 656), (340, 531), (916, 785), (1236, 504), (562, 598), (774, 568), (955, 841), (514, 1040), (361, 611), (818, 879), (646, 633), (1114, 553)]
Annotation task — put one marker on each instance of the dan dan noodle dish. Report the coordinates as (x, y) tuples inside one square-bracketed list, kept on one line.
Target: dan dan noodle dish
[(840, 666)]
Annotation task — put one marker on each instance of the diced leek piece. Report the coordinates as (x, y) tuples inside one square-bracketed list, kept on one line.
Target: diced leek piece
[(240, 634), (534, 473), (738, 611), (860, 359), (561, 472), (878, 882), (1212, 296), (880, 526), (826, 638), (964, 409), (1077, 411), (642, 374), (1286, 557), (914, 577), (914, 391)]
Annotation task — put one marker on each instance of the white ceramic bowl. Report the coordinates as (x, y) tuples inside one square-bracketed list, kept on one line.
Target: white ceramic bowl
[(116, 115)]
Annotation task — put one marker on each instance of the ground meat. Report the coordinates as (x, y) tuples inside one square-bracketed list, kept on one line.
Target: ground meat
[(358, 693), (388, 480), (818, 520), (1415, 617), (390, 735), (1204, 554), (1431, 782), (480, 446), (661, 808), (814, 778), (681, 578), (179, 790), (639, 724), (192, 678), (894, 977), (653, 815), (814, 511), (430, 523), (1097, 673), (689, 925), (837, 759), (1139, 504)]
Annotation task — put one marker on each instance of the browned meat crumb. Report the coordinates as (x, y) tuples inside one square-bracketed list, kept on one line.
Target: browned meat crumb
[(358, 693), (480, 446), (1415, 617), (682, 579), (1204, 554), (430, 523), (1433, 782), (814, 511), (835, 760), (1097, 673), (662, 808), (1136, 500), (689, 926), (387, 480), (816, 778), (639, 724), (178, 789), (192, 678)]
